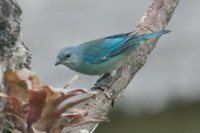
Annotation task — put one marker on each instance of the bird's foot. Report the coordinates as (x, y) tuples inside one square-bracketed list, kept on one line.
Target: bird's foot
[(95, 88)]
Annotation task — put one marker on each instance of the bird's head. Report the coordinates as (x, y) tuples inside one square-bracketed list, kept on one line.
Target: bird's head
[(67, 57)]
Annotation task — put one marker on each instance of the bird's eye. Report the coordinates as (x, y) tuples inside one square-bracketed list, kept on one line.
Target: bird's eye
[(67, 56)]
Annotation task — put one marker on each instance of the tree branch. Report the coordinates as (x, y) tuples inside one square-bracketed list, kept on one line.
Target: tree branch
[(156, 18), (13, 53)]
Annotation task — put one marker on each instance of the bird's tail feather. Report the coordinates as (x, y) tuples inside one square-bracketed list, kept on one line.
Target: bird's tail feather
[(153, 34)]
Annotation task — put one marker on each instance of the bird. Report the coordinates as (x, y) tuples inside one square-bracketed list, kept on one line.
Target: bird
[(104, 55)]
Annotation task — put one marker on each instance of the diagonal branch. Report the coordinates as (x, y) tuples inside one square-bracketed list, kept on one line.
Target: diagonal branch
[(156, 18)]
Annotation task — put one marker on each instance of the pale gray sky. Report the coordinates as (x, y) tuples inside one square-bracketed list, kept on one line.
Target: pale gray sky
[(172, 71)]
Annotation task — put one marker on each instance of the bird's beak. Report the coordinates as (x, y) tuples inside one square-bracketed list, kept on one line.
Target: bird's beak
[(58, 62)]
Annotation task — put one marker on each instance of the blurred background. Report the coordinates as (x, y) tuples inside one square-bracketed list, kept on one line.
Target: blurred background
[(164, 96)]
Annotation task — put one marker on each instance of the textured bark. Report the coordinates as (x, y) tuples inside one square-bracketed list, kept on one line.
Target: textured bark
[(14, 55)]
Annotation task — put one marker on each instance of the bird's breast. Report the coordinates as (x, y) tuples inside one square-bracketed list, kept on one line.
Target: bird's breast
[(99, 68)]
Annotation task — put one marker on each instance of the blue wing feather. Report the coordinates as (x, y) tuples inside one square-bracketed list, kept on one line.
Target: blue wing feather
[(103, 49)]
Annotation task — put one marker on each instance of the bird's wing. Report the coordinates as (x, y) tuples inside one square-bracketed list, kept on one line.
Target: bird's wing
[(101, 50)]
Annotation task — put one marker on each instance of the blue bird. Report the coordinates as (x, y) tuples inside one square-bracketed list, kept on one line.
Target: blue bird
[(103, 55)]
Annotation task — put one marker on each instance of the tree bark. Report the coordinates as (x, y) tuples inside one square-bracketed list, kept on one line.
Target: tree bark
[(15, 55)]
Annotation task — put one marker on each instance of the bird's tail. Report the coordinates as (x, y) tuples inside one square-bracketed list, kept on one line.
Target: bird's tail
[(153, 34)]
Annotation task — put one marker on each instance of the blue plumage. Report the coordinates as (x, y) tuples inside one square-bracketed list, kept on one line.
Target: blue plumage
[(101, 50), (103, 55)]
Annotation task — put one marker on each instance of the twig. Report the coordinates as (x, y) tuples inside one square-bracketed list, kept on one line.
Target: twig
[(76, 77)]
